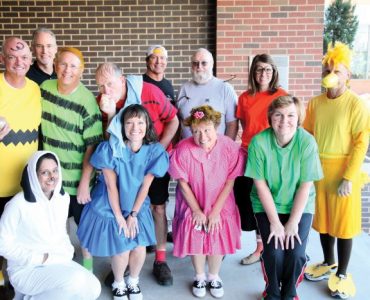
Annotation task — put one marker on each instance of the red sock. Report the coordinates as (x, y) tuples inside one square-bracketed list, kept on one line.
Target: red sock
[(160, 255), (259, 248)]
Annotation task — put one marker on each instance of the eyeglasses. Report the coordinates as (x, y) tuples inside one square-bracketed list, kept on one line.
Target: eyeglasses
[(199, 63), (267, 70), (47, 174)]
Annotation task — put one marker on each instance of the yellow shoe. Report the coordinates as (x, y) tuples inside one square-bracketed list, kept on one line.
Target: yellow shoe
[(320, 271), (342, 286), (1, 279)]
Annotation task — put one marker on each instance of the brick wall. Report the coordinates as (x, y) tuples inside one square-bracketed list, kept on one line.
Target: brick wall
[(280, 27), (118, 30), (121, 30)]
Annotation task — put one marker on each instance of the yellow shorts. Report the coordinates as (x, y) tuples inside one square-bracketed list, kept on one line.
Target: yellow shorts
[(337, 216)]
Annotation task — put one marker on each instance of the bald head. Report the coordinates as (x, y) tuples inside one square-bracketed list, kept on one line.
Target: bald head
[(14, 45), (17, 58)]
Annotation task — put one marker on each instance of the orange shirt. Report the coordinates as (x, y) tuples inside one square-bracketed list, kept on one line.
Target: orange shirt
[(252, 112)]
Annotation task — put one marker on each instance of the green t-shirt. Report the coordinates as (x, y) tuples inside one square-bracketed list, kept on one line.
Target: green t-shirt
[(283, 169), (69, 124)]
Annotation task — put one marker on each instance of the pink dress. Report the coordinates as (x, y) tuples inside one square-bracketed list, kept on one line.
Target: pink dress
[(206, 174)]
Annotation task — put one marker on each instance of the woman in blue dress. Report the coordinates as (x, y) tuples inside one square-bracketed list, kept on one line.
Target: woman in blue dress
[(118, 221)]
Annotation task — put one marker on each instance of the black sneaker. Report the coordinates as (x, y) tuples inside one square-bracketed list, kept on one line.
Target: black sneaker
[(109, 279), (119, 291), (162, 273), (134, 292)]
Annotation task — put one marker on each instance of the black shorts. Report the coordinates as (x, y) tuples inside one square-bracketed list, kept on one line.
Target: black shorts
[(242, 190), (3, 201), (158, 191), (75, 209)]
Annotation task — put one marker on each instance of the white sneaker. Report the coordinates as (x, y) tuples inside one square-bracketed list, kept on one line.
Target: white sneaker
[(199, 288), (216, 289)]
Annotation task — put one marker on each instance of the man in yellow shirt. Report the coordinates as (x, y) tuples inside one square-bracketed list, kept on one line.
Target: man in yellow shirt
[(20, 116), (340, 124)]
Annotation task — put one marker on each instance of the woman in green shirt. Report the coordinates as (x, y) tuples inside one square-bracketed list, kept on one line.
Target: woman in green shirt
[(283, 162)]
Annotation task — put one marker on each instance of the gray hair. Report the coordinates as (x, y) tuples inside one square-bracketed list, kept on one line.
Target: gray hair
[(205, 51), (40, 30), (108, 68)]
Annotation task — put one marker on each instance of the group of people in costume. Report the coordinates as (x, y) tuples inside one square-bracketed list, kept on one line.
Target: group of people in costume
[(295, 168)]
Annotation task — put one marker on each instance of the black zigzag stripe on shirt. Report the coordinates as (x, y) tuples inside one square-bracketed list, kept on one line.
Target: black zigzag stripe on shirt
[(20, 136)]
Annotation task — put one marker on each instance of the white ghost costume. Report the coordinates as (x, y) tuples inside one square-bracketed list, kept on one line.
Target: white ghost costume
[(33, 225)]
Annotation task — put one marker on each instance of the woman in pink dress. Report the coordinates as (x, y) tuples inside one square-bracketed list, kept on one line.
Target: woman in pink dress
[(206, 224)]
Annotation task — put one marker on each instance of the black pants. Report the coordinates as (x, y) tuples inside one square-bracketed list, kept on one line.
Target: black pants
[(283, 269)]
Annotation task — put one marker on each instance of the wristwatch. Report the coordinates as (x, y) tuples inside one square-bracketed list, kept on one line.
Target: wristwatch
[(133, 214)]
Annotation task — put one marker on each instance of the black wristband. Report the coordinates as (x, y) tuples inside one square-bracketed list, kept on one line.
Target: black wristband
[(133, 214)]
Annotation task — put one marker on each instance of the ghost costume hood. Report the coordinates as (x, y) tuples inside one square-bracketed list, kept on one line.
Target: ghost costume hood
[(30, 183)]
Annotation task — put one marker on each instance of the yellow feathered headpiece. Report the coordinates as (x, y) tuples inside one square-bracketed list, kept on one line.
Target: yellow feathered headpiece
[(339, 54)]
